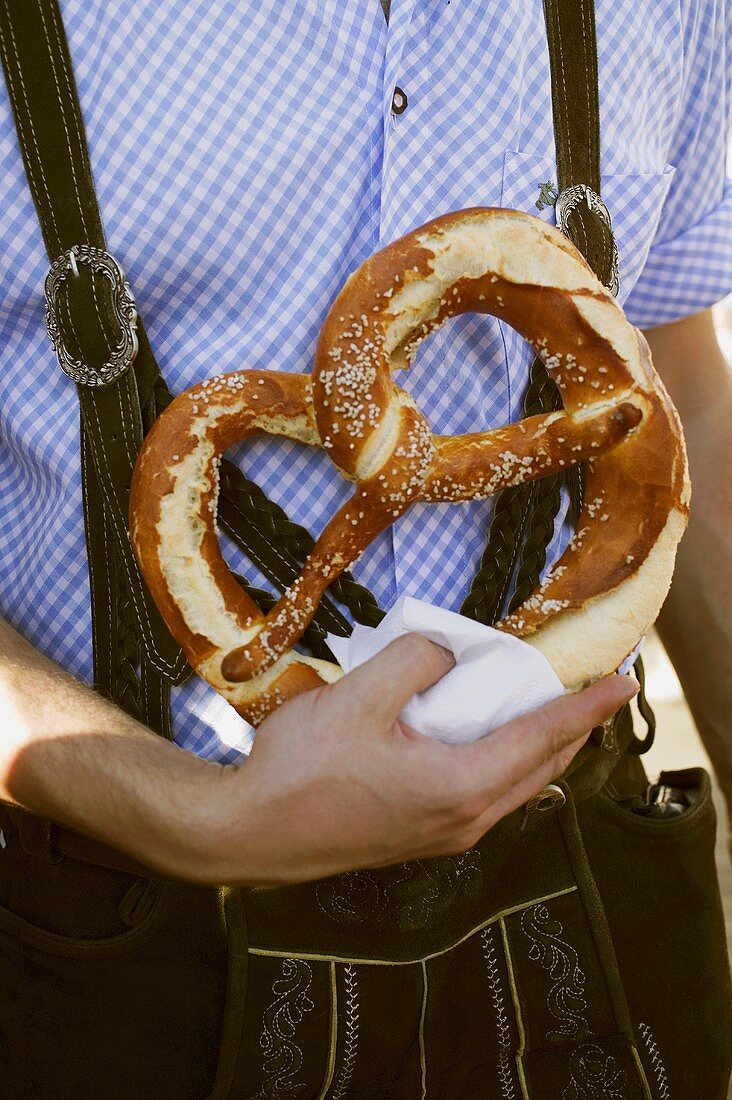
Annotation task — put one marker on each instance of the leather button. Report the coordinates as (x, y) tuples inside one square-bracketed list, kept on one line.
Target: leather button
[(549, 799), (399, 101)]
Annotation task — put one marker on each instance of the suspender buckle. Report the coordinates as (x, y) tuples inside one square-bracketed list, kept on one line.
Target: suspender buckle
[(569, 200), (123, 314)]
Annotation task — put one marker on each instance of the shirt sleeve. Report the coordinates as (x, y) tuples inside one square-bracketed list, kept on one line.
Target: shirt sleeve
[(689, 265)]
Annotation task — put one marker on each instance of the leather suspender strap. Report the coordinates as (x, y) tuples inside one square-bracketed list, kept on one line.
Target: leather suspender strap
[(581, 214), (571, 36)]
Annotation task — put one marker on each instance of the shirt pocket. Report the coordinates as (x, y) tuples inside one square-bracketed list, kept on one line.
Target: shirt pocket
[(635, 201)]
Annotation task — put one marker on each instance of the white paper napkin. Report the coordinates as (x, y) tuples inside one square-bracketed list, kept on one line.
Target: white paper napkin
[(496, 677)]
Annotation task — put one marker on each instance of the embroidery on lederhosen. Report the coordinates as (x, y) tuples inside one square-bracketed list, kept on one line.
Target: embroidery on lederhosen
[(350, 1043), (283, 1057), (565, 999), (505, 1075), (594, 1075), (407, 894), (659, 1069)]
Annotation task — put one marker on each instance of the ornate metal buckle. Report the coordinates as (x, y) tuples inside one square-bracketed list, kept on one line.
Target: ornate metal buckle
[(123, 305), (570, 199)]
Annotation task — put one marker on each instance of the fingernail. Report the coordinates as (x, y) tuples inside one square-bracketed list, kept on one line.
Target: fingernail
[(632, 686), (447, 654)]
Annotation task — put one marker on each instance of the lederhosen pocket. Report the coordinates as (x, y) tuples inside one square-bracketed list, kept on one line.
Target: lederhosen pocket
[(111, 984)]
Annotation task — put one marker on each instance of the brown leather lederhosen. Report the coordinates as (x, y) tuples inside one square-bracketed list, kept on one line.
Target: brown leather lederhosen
[(576, 952)]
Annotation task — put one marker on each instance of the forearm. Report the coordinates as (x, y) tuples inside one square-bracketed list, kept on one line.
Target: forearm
[(68, 754), (696, 622)]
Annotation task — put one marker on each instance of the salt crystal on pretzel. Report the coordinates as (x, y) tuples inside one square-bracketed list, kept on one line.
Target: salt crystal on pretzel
[(609, 585)]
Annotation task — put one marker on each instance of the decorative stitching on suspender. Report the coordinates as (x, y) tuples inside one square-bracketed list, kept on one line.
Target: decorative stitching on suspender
[(283, 1057), (593, 100), (63, 117), (73, 102), (20, 127), (70, 146), (558, 39), (659, 1069), (350, 1043), (585, 54), (86, 459), (139, 603), (133, 440), (504, 1036), (63, 304)]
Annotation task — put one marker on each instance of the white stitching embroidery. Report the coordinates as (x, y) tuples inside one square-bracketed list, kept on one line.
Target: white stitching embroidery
[(350, 1043), (565, 999), (505, 1076), (63, 117), (656, 1061), (408, 894), (87, 461), (62, 107), (283, 1058), (155, 658), (594, 1075), (32, 131)]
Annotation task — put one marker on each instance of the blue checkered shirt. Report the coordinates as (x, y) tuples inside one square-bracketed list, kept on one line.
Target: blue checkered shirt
[(247, 158)]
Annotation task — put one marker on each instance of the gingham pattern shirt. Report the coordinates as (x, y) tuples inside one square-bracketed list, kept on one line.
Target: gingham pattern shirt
[(247, 159)]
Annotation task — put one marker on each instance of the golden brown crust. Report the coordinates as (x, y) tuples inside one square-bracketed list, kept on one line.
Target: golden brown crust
[(616, 416)]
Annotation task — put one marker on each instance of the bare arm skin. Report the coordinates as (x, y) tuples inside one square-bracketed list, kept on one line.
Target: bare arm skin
[(334, 782), (696, 622)]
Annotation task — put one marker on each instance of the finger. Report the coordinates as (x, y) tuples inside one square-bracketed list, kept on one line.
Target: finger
[(517, 750), (526, 788), (406, 666)]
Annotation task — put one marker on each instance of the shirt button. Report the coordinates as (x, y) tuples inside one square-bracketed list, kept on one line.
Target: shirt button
[(399, 101)]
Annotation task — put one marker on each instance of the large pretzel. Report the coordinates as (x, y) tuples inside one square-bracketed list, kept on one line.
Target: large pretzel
[(606, 589)]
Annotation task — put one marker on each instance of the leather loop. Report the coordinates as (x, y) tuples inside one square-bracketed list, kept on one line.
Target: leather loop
[(36, 836), (138, 902)]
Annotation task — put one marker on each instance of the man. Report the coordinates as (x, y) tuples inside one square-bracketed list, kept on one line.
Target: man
[(246, 160)]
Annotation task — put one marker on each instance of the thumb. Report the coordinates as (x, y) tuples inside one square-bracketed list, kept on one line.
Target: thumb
[(383, 684)]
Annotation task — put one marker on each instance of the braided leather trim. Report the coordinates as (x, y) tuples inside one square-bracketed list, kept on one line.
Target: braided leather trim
[(533, 508)]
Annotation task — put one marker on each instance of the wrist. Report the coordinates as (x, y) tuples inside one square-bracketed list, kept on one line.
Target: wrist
[(221, 829)]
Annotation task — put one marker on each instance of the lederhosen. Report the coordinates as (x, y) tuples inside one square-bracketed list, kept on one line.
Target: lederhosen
[(576, 952)]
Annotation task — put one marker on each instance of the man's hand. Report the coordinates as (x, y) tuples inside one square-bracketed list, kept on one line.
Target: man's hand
[(336, 783)]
